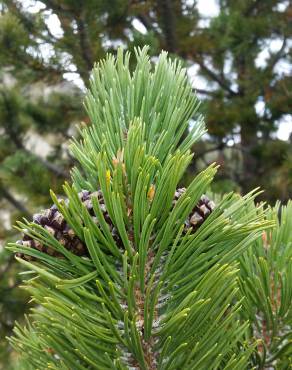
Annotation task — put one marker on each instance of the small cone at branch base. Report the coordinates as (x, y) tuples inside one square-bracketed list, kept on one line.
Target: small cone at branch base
[(53, 221)]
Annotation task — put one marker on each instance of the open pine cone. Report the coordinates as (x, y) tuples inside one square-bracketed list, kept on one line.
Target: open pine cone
[(53, 221), (199, 213)]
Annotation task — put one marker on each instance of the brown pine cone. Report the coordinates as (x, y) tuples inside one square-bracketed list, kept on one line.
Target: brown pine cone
[(53, 221), (199, 213)]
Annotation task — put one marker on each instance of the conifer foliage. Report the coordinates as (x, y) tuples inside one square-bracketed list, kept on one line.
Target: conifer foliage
[(152, 291)]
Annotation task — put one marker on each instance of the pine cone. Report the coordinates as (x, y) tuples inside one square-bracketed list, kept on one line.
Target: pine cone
[(199, 213), (53, 221)]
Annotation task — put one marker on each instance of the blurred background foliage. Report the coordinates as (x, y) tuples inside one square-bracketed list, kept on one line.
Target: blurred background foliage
[(239, 59)]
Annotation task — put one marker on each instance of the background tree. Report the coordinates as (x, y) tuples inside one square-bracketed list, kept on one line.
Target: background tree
[(226, 52)]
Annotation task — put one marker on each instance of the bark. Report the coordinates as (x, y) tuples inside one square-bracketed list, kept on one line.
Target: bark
[(84, 41), (248, 144), (167, 15), (248, 127)]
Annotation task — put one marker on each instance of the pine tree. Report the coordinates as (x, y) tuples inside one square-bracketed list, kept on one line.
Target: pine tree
[(152, 291), (88, 30)]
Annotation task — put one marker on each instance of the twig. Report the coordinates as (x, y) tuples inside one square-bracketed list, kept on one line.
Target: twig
[(12, 200)]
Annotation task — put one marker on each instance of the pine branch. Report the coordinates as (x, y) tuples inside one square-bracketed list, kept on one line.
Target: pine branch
[(55, 169), (57, 7), (265, 282), (13, 201), (206, 92), (154, 282), (277, 56), (11, 130), (252, 6), (147, 23), (222, 82)]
